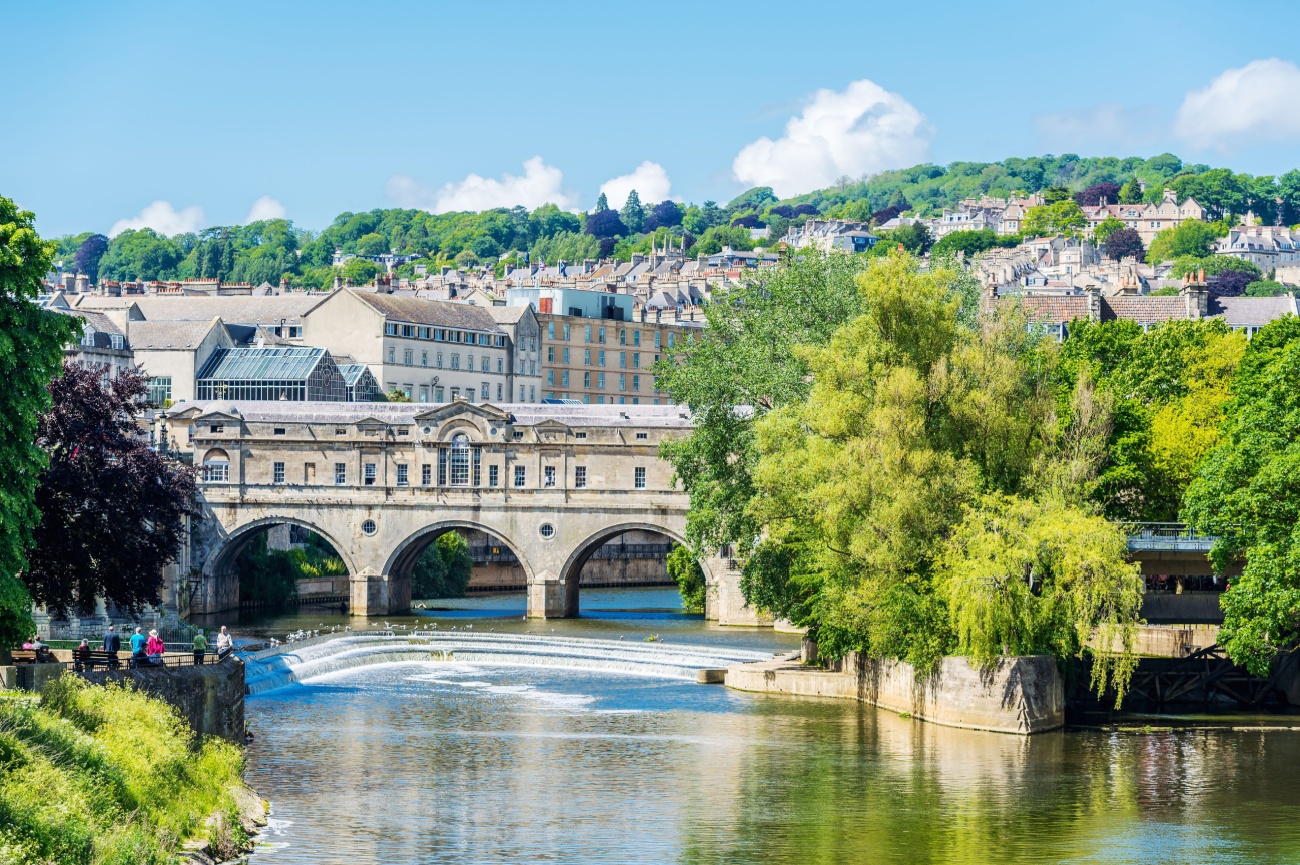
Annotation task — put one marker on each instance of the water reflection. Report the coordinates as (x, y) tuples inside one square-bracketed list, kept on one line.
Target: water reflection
[(432, 763)]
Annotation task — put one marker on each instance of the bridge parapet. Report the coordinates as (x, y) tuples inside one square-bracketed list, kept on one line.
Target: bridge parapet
[(1168, 537)]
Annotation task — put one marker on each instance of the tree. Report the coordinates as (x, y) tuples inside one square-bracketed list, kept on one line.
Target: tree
[(1229, 283), (1106, 228), (969, 242), (466, 258), (685, 570), (1244, 494), (632, 214), (1099, 193), (1131, 192), (88, 255), (1062, 217), (915, 238), (444, 569), (602, 203), (605, 223), (360, 270), (1192, 237), (113, 510), (372, 244), (665, 214), (1124, 243), (1266, 288), (31, 353)]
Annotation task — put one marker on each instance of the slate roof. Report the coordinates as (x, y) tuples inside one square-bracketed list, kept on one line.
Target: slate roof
[(1055, 308), (414, 310), (525, 414), (1252, 311), (277, 363), (1143, 308), (232, 310), (98, 322), (165, 335)]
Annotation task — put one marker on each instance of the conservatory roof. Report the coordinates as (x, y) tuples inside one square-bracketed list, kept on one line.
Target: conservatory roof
[(270, 363)]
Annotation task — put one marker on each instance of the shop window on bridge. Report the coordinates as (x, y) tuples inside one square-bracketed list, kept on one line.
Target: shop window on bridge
[(216, 467), (460, 461), (493, 475), (340, 474), (426, 475), (371, 474)]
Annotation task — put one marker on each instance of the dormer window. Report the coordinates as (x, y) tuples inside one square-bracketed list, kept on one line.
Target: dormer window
[(216, 428)]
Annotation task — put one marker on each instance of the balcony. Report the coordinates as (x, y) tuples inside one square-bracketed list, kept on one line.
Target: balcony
[(1168, 537)]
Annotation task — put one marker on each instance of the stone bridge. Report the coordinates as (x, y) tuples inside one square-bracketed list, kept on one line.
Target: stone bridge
[(381, 481)]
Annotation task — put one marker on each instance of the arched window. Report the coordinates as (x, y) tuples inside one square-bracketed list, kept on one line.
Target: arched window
[(216, 467), (460, 460)]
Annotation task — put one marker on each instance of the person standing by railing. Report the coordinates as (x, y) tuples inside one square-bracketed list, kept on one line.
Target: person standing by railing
[(138, 643), (200, 646), (112, 642), (155, 647), (224, 642)]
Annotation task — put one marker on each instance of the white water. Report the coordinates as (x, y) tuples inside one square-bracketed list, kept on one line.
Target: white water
[(303, 662)]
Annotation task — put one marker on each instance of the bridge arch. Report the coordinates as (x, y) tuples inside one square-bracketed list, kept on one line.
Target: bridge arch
[(401, 562), (571, 571), (222, 558)]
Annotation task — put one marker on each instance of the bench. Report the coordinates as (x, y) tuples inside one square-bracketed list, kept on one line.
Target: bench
[(28, 656), (108, 660)]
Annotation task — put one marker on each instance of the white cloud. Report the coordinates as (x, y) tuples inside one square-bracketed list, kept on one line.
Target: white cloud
[(649, 179), (540, 184), (1256, 102), (1101, 128), (859, 131), (162, 218), (265, 207)]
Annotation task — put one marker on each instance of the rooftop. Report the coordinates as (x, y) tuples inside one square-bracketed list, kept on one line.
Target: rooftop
[(274, 363), (525, 414), (165, 335), (430, 312)]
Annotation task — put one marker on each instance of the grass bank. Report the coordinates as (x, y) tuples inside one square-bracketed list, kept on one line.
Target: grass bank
[(106, 774)]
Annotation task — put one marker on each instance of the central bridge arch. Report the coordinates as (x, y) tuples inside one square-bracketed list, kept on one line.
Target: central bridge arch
[(571, 571), (401, 562)]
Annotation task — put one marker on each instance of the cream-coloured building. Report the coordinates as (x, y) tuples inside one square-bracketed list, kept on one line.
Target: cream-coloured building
[(1147, 219), (173, 352), (603, 361), (432, 351)]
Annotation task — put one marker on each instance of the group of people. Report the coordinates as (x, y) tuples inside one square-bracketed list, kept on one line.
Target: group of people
[(145, 649)]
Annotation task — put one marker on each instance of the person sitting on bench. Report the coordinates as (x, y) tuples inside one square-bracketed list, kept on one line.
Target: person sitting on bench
[(81, 657)]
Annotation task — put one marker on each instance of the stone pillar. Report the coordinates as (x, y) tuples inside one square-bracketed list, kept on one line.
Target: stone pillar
[(731, 608), (546, 597), (376, 594), (42, 620)]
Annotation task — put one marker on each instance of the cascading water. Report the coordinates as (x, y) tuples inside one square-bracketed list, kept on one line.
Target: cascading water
[(301, 662)]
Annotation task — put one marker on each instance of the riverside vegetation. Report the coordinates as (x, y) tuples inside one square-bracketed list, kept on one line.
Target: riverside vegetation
[(106, 774), (909, 475)]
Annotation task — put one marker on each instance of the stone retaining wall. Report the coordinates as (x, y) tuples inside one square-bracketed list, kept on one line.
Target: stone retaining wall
[(1021, 695)]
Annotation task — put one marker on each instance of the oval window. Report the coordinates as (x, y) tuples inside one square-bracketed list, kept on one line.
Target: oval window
[(369, 527), (547, 531)]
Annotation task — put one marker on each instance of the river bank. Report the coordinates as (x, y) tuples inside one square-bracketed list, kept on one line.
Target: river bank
[(107, 774)]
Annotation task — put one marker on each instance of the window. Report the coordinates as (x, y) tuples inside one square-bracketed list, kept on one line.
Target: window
[(600, 381), (408, 331), (279, 430), (403, 479), (600, 336), (392, 354), (550, 377), (217, 428), (371, 474), (492, 475), (500, 366), (566, 356), (622, 337), (671, 337), (498, 391), (519, 476), (636, 337), (566, 333), (390, 328), (369, 527), (638, 477), (588, 333), (442, 467), (550, 354), (424, 358), (600, 358), (424, 393), (644, 436), (277, 473), (579, 477), (564, 378), (546, 530), (622, 381), (406, 391), (550, 330), (657, 336), (407, 357), (216, 470), (438, 394), (622, 360), (437, 360), (586, 379), (470, 364), (532, 394), (159, 389), (636, 382), (548, 476), (455, 360), (586, 356), (521, 393), (340, 473), (478, 466), (580, 436), (517, 435), (460, 460), (340, 431), (483, 390), (426, 474), (485, 364)]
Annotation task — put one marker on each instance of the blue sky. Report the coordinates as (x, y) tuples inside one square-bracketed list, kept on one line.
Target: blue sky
[(187, 114)]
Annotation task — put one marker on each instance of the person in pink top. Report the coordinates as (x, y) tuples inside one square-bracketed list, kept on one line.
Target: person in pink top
[(154, 648)]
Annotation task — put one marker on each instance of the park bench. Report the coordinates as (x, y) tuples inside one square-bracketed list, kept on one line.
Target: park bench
[(108, 660), (28, 656)]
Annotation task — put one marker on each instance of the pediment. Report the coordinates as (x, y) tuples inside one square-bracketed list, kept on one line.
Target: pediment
[(462, 408), (371, 422)]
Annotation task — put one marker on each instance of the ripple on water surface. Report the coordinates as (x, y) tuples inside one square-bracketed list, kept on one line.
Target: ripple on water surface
[(449, 762)]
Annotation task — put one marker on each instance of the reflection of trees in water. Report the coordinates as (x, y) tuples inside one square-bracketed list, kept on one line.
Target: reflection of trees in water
[(817, 784)]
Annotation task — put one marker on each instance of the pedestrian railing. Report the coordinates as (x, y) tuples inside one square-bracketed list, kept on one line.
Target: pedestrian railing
[(1168, 536), (126, 661)]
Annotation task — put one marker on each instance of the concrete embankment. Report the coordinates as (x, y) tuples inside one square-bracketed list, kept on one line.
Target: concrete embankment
[(1021, 695)]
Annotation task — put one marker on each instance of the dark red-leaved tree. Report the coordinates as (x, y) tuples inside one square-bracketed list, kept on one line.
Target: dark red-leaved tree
[(1104, 192), (605, 223), (112, 509), (665, 214), (1229, 283), (1124, 242), (92, 249)]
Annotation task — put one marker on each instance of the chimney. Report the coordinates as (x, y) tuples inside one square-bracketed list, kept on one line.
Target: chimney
[(347, 283), (338, 282), (83, 283)]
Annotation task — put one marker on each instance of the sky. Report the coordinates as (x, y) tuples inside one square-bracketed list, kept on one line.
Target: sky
[(181, 116)]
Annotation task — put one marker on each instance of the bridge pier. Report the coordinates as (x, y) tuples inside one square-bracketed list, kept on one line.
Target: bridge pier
[(374, 594), (547, 598)]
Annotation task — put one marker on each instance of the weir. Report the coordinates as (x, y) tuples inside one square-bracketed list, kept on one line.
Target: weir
[(321, 656)]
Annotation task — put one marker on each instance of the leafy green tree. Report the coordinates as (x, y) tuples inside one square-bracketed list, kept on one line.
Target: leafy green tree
[(685, 570), (360, 270), (1131, 192), (1266, 288), (1106, 228), (1063, 217), (632, 214), (1212, 265), (444, 569), (140, 254), (372, 244), (969, 242), (466, 258), (602, 203), (1192, 237), (915, 238), (31, 355), (1244, 494)]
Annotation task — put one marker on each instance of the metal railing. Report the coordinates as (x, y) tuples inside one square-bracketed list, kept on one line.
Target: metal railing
[(1168, 536), (126, 661)]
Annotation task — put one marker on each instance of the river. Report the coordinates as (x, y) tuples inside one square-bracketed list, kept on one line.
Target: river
[(435, 762)]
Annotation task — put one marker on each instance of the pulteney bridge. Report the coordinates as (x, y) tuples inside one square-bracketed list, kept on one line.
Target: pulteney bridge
[(381, 481)]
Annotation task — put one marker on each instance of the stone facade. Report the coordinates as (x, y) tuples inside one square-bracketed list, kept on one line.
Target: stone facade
[(380, 482)]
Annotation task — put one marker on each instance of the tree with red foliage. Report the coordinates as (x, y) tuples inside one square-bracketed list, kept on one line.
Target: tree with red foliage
[(665, 214), (1229, 283), (1124, 242), (112, 509), (1099, 193), (605, 223)]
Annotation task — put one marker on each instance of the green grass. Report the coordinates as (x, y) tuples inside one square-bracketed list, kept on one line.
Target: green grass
[(104, 774)]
